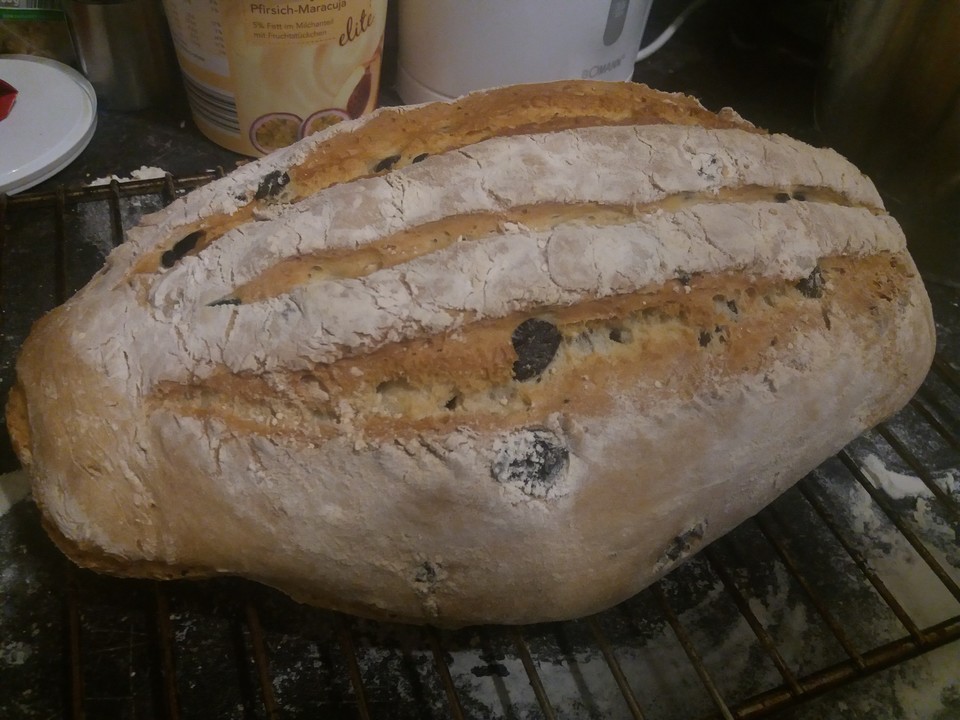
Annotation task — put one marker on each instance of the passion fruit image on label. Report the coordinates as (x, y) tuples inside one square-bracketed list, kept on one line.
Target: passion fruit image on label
[(274, 130), (321, 120)]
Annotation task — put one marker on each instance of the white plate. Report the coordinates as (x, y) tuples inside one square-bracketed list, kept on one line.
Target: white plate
[(50, 124)]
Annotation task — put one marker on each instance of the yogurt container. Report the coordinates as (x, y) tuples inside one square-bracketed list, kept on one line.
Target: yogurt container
[(260, 75)]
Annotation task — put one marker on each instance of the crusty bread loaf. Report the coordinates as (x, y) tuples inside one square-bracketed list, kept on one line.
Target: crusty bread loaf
[(506, 359)]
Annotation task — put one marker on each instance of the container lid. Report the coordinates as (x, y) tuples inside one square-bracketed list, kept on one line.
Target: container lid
[(51, 122)]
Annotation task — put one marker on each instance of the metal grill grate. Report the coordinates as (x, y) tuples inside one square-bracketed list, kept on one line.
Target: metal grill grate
[(853, 571)]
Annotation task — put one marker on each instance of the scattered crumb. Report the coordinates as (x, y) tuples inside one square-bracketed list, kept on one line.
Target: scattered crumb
[(143, 173)]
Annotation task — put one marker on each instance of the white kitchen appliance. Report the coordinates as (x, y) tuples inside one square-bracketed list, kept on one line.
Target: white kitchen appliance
[(449, 47)]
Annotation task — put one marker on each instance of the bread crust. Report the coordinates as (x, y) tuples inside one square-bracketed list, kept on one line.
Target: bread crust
[(563, 357)]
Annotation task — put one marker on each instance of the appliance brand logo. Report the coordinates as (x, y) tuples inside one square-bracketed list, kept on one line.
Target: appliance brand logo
[(597, 70)]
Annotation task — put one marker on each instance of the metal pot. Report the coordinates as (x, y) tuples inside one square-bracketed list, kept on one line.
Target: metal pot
[(889, 99), (890, 92)]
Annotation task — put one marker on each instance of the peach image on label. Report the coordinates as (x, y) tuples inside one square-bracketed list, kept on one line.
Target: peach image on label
[(321, 120), (274, 130)]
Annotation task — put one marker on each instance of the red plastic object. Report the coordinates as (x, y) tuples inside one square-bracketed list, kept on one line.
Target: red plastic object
[(8, 96)]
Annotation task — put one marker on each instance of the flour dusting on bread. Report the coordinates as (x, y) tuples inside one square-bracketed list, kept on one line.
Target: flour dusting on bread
[(555, 337)]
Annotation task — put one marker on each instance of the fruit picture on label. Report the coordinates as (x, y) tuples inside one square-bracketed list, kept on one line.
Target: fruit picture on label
[(274, 130)]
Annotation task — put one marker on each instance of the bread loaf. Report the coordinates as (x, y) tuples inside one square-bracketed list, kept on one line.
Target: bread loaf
[(506, 359)]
